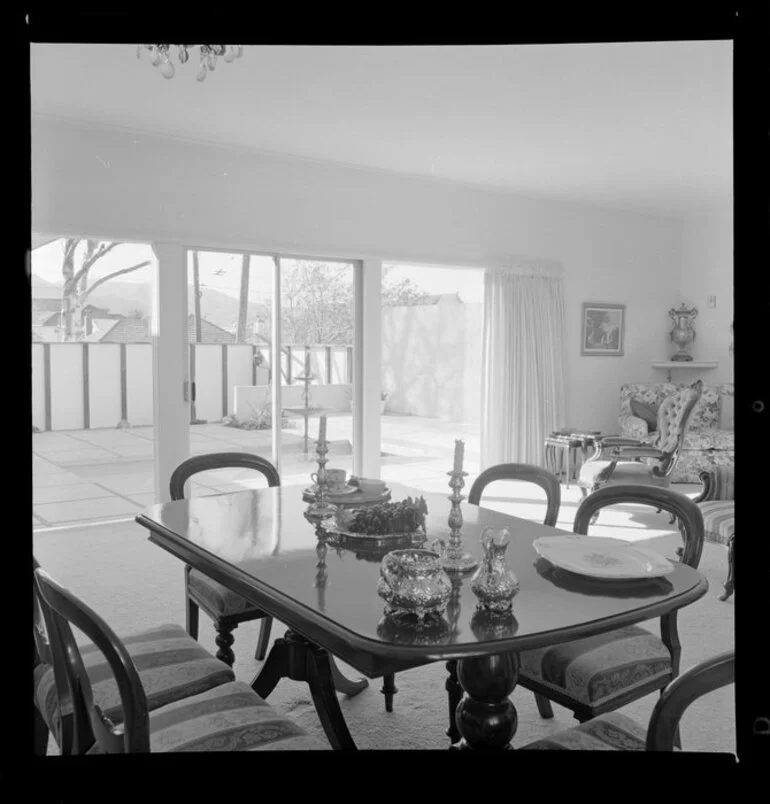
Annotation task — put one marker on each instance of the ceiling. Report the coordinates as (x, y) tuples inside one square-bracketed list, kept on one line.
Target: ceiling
[(642, 125)]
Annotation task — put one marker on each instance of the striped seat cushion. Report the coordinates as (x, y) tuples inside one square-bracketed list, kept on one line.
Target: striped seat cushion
[(218, 598), (594, 670), (718, 520), (231, 717), (610, 732), (171, 666)]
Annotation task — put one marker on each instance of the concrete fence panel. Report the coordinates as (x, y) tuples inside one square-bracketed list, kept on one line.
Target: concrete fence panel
[(208, 381), (38, 386), (67, 410), (104, 400), (139, 383), (240, 371)]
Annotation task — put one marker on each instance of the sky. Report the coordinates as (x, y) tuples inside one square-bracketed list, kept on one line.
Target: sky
[(222, 272)]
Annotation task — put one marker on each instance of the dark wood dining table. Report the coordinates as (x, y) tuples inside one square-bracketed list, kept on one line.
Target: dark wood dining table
[(260, 544)]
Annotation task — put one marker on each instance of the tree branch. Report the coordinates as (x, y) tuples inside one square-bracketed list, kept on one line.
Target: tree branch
[(112, 276), (89, 261)]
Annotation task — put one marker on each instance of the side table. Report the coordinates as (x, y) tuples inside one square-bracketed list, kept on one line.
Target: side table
[(561, 447)]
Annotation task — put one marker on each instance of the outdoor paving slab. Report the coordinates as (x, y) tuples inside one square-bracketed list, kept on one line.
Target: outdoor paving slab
[(57, 478), (84, 510), (44, 443), (129, 484), (145, 500), (134, 451), (108, 438), (41, 466), (77, 491), (75, 456)]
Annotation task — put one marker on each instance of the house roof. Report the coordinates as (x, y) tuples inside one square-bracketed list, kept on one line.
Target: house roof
[(137, 330)]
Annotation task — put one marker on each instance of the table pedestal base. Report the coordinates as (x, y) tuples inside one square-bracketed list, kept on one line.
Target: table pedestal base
[(486, 718), (292, 656)]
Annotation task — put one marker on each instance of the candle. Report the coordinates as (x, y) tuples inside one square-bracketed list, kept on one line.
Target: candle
[(307, 364), (322, 429), (459, 449)]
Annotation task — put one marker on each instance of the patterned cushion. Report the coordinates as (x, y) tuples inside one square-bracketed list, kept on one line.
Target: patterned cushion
[(597, 669), (709, 439), (692, 462), (610, 732), (634, 427), (718, 520), (217, 597), (171, 665), (231, 717), (648, 413)]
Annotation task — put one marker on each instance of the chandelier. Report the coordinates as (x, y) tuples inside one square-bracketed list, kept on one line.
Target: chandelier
[(161, 57)]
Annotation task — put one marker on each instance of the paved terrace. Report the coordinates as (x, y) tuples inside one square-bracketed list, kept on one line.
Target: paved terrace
[(82, 476)]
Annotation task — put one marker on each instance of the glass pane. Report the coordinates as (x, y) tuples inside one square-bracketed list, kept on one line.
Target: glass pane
[(317, 345), (432, 327), (92, 380), (229, 312)]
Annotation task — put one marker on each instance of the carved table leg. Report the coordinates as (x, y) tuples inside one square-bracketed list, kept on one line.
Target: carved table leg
[(292, 656), (729, 584), (345, 685), (486, 717), (224, 639), (455, 695)]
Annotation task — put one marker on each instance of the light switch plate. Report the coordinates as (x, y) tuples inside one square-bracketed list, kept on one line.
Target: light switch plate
[(712, 300)]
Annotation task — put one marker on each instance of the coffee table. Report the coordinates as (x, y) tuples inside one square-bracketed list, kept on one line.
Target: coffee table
[(259, 544)]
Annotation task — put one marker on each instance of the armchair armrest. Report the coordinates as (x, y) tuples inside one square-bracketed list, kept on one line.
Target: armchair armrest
[(632, 452), (619, 441), (718, 484)]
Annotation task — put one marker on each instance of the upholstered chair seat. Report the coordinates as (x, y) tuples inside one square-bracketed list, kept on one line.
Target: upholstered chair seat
[(231, 717), (598, 669), (216, 597), (171, 665), (610, 732)]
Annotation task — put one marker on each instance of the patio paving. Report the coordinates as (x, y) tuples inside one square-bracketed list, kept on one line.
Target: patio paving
[(89, 476)]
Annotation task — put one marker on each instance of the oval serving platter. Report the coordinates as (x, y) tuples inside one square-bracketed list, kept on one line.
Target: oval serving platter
[(602, 558)]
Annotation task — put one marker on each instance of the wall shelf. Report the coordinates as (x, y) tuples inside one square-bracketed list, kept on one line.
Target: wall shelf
[(682, 364)]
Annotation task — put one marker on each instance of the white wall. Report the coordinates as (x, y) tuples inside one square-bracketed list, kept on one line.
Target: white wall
[(139, 187), (707, 270)]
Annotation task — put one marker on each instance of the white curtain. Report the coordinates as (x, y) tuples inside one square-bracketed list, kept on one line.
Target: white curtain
[(523, 364)]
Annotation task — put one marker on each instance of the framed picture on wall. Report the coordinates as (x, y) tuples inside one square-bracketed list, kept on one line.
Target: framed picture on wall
[(604, 328)]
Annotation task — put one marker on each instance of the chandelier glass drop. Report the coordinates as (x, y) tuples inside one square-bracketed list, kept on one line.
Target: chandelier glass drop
[(161, 57)]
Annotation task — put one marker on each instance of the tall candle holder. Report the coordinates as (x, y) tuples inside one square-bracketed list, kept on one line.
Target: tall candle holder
[(454, 558), (321, 508)]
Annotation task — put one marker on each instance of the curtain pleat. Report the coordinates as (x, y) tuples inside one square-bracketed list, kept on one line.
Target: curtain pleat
[(523, 366)]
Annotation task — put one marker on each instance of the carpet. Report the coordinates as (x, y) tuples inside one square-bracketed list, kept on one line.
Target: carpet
[(135, 585)]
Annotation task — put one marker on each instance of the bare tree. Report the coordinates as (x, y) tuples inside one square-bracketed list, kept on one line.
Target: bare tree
[(77, 286)]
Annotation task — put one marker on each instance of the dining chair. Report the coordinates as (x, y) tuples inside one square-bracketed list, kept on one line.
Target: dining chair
[(606, 671), (717, 504), (228, 717), (171, 666), (619, 460), (550, 484), (618, 732), (226, 608)]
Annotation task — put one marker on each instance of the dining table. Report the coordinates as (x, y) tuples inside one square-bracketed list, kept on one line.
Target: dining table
[(322, 586)]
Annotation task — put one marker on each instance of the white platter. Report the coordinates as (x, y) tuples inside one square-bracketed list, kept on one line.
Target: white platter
[(610, 559)]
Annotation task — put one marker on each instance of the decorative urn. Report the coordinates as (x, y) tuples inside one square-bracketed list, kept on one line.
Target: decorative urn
[(682, 334)]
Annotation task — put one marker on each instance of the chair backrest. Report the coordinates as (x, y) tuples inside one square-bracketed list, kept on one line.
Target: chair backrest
[(220, 460), (706, 677), (674, 415), (521, 471), (686, 511), (86, 722)]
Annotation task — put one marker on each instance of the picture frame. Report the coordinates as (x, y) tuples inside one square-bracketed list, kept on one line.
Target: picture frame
[(603, 329)]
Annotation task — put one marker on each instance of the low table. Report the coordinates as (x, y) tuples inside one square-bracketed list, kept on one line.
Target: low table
[(561, 447)]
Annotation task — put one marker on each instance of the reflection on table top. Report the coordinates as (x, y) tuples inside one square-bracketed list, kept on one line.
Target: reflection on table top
[(279, 560)]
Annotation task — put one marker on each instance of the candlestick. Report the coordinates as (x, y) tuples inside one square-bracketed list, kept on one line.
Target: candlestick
[(454, 558), (459, 451), (321, 508)]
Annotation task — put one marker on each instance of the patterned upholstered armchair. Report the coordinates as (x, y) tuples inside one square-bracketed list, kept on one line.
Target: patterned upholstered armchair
[(627, 460)]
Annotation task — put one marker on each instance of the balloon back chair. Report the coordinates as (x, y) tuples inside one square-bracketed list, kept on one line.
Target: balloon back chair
[(228, 717), (618, 732), (226, 608), (504, 471), (604, 672), (628, 460)]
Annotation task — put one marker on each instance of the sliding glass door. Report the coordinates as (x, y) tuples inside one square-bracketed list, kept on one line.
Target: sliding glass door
[(231, 330)]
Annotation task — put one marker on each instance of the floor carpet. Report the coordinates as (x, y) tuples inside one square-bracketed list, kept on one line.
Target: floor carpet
[(134, 585)]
